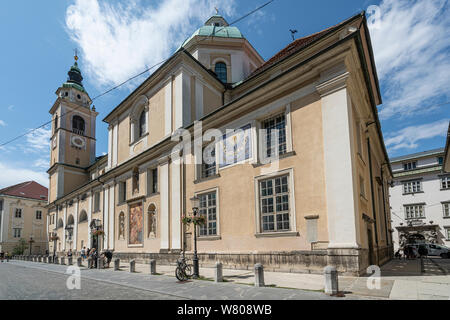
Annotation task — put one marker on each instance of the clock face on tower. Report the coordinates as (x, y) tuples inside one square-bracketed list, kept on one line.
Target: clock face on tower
[(78, 142)]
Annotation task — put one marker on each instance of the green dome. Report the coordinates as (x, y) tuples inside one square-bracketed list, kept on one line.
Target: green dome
[(75, 78), (222, 31)]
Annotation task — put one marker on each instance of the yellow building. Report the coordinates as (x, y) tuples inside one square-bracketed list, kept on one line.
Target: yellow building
[(286, 156), (23, 216)]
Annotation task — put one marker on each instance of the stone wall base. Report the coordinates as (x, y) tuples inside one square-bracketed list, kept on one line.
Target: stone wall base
[(352, 262)]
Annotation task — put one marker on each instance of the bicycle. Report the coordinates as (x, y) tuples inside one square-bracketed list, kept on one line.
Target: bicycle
[(183, 271)]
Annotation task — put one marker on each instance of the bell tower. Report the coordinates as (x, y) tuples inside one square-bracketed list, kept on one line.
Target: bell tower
[(72, 148)]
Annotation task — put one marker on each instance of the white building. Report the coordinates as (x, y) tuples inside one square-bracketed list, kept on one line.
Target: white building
[(420, 199)]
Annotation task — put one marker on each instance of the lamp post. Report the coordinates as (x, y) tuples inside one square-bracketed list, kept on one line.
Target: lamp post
[(195, 201), (53, 236), (69, 233)]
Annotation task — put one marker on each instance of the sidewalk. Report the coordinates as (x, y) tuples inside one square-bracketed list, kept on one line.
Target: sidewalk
[(192, 290)]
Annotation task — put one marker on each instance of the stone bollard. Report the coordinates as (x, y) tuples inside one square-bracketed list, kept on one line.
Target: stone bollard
[(50, 259), (133, 265), (56, 260), (79, 262), (116, 264), (90, 262), (259, 275), (70, 261), (153, 267), (218, 272), (100, 263), (63, 260), (39, 258), (331, 280), (44, 259)]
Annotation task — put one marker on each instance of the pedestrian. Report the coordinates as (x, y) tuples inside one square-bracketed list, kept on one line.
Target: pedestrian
[(93, 255), (69, 254), (1, 256), (7, 256), (108, 255), (83, 253), (423, 251)]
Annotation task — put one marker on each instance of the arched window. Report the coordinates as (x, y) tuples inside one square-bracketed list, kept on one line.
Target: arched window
[(142, 124), (135, 180), (121, 225), (70, 220), (221, 71), (151, 221), (83, 216), (78, 125), (60, 223)]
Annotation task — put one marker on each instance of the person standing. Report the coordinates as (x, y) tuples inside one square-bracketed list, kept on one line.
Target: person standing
[(83, 253)]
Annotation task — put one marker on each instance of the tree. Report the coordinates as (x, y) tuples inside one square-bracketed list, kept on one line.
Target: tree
[(20, 248)]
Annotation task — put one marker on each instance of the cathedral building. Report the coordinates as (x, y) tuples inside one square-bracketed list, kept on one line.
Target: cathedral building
[(285, 156)]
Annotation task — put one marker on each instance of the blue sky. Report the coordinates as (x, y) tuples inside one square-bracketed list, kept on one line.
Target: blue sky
[(118, 39)]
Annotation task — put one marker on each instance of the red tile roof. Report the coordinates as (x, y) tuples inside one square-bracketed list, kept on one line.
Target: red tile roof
[(29, 189), (295, 47)]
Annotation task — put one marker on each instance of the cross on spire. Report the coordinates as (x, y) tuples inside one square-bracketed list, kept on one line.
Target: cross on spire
[(76, 54), (217, 10)]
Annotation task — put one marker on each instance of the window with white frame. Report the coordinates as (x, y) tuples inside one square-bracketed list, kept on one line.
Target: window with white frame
[(18, 213), (208, 209), (38, 215), (412, 186), (445, 182), (17, 232), (447, 233), (446, 209), (415, 211), (410, 165), (278, 123), (274, 204)]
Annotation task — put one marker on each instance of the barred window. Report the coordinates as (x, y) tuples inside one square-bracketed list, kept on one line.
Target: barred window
[(17, 233), (208, 209), (274, 202), (445, 182), (276, 123), (38, 215), (412, 186), (18, 213), (414, 212)]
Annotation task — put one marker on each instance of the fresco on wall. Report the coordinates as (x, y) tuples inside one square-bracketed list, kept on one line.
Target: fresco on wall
[(136, 224)]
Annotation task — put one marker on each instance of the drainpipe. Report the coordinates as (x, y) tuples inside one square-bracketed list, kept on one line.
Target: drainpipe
[(373, 195), (384, 205)]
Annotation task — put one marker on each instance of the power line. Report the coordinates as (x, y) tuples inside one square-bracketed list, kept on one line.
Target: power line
[(134, 77)]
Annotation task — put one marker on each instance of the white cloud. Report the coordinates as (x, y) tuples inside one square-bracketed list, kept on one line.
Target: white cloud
[(13, 175), (119, 40), (2, 123), (11, 107), (408, 137), (411, 48), (38, 141)]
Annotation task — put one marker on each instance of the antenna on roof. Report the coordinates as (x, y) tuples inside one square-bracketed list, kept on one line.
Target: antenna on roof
[(293, 32)]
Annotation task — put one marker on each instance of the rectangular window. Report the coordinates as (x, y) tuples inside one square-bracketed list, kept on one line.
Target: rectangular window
[(208, 209), (18, 213), (38, 215), (122, 191), (97, 202), (17, 233), (414, 211), (410, 165), (274, 204), (362, 186), (445, 182), (276, 123), (154, 180), (412, 186), (446, 209), (447, 233), (209, 161)]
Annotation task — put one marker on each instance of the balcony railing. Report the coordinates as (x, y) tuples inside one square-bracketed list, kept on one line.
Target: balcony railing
[(78, 131)]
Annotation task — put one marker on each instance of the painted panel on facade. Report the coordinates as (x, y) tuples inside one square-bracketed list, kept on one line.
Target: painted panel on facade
[(236, 146), (136, 224)]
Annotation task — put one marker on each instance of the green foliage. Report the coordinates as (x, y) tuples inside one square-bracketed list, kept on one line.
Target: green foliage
[(197, 220), (20, 248)]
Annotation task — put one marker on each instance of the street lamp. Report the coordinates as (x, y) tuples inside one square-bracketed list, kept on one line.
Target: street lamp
[(195, 202), (97, 224)]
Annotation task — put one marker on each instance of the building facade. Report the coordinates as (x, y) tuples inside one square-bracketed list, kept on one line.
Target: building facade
[(420, 199), (23, 215), (285, 155)]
